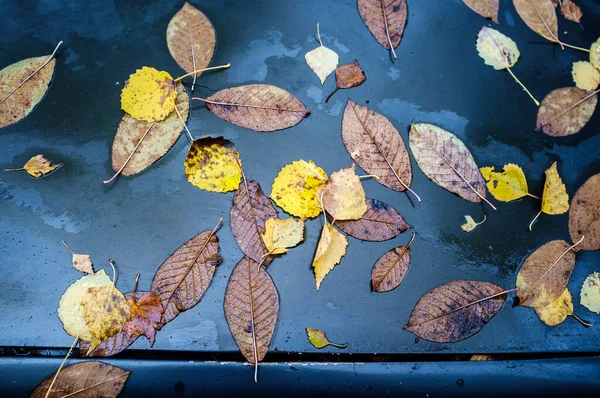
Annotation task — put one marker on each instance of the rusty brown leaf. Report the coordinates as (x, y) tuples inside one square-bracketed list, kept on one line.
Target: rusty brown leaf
[(540, 16), (385, 19), (380, 222), (571, 11), (486, 8), (391, 268), (584, 216), (566, 111), (348, 76)]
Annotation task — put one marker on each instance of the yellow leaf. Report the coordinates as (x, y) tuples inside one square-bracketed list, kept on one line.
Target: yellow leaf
[(557, 311), (497, 50), (471, 224), (585, 76), (590, 292), (330, 250), (322, 60), (595, 54), (319, 339), (280, 235), (509, 185), (344, 197), (211, 164), (295, 188), (555, 199), (149, 95), (38, 166)]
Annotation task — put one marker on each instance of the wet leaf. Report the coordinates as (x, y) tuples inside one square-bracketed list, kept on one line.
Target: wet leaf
[(385, 19), (281, 235), (557, 311), (212, 164), (590, 292), (571, 11), (259, 107), (330, 250), (486, 8), (565, 111), (149, 95), (585, 75), (295, 188), (344, 196), (497, 50), (182, 279), (348, 76), (584, 216), (508, 185), (38, 166), (380, 222), (84, 379), (319, 340), (595, 54), (555, 199), (471, 224), (81, 262), (391, 268), (322, 60), (540, 16), (455, 311), (251, 309)]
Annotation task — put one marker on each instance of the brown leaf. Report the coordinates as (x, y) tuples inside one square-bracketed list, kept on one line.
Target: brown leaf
[(38, 167), (565, 111), (584, 216), (545, 274), (182, 279), (84, 379), (391, 268), (348, 76), (571, 11), (251, 309), (455, 311), (380, 222), (486, 8), (259, 107), (385, 19), (540, 16)]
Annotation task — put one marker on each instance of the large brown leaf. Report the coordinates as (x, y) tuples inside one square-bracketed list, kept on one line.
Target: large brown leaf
[(250, 209), (380, 222), (391, 268), (545, 274), (540, 16), (584, 216), (486, 8), (84, 379), (182, 279), (385, 19), (251, 309), (455, 311), (259, 107), (566, 111)]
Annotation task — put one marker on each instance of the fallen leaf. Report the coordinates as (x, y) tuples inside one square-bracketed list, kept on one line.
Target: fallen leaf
[(571, 11), (212, 164), (508, 185), (344, 196), (590, 292), (471, 224), (330, 250), (319, 340), (84, 379), (585, 75), (486, 8), (391, 268), (376, 146), (250, 211), (348, 76), (38, 166), (595, 54), (497, 50), (380, 222), (455, 311), (182, 279), (281, 235), (81, 262), (251, 309), (322, 60), (565, 111), (557, 311), (540, 16), (385, 19), (295, 188), (584, 216), (555, 199), (259, 107), (149, 95), (445, 160)]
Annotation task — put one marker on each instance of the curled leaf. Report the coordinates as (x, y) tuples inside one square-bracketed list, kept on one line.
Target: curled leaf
[(212, 164), (344, 196), (322, 60), (319, 340), (540, 16), (557, 311), (149, 95), (385, 19), (281, 235), (348, 76), (330, 250), (471, 224), (585, 75), (380, 222), (391, 268), (508, 185), (584, 216), (565, 111), (486, 8), (571, 11), (590, 292), (38, 167)]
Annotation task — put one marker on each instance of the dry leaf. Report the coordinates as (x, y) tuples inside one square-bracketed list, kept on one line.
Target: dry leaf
[(319, 340), (584, 216), (486, 8), (540, 16), (344, 196), (391, 268), (497, 50), (380, 222), (322, 60), (565, 111), (251, 309), (555, 199), (149, 95), (585, 75), (330, 250), (376, 146), (545, 274), (455, 311), (182, 279), (38, 166), (281, 235), (81, 262), (385, 19), (471, 224), (557, 311), (84, 379), (259, 107), (295, 188), (212, 164), (595, 54), (480, 357), (348, 76), (509, 185), (590, 292), (571, 11), (250, 211)]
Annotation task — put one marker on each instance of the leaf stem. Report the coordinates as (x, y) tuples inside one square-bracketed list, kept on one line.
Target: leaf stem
[(564, 44), (369, 176), (305, 111), (387, 30), (537, 103), (333, 92), (68, 248), (61, 365), (193, 61), (534, 220), (341, 346), (130, 156), (202, 70), (533, 196), (319, 37), (546, 25), (590, 95), (137, 279), (11, 170), (584, 323), (184, 125), (112, 265)]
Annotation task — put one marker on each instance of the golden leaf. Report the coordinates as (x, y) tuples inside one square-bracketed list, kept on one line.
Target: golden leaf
[(557, 311), (149, 95), (585, 75), (212, 164), (497, 50), (555, 199), (330, 250), (322, 60), (280, 235), (38, 166), (509, 185), (471, 224), (344, 197), (595, 54), (319, 339), (590, 292)]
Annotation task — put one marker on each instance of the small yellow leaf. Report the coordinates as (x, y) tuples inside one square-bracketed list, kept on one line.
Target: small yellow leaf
[(295, 188), (38, 166), (556, 312), (344, 197), (149, 95), (471, 224), (509, 185), (595, 54), (590, 292), (330, 250), (585, 76), (211, 164), (83, 263), (319, 340), (555, 199), (280, 234), (322, 60), (497, 50)]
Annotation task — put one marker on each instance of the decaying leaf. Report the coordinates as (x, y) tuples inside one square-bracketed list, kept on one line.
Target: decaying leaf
[(585, 75), (584, 216), (380, 222), (330, 250), (38, 166), (540, 16), (497, 50), (471, 224), (571, 11), (555, 199), (259, 107), (84, 379), (319, 340), (445, 160), (212, 164), (343, 196), (565, 111), (391, 268), (149, 95), (182, 279), (557, 311), (295, 188), (595, 54), (385, 19), (322, 60), (81, 262), (508, 185), (281, 235), (251, 309), (348, 76), (455, 311), (590, 292), (377, 147), (486, 8)]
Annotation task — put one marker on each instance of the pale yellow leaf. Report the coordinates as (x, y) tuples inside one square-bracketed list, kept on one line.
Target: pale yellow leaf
[(344, 197), (557, 311), (319, 339), (585, 75), (322, 60), (590, 292), (280, 235), (330, 250), (595, 54), (83, 263), (471, 224), (497, 50)]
